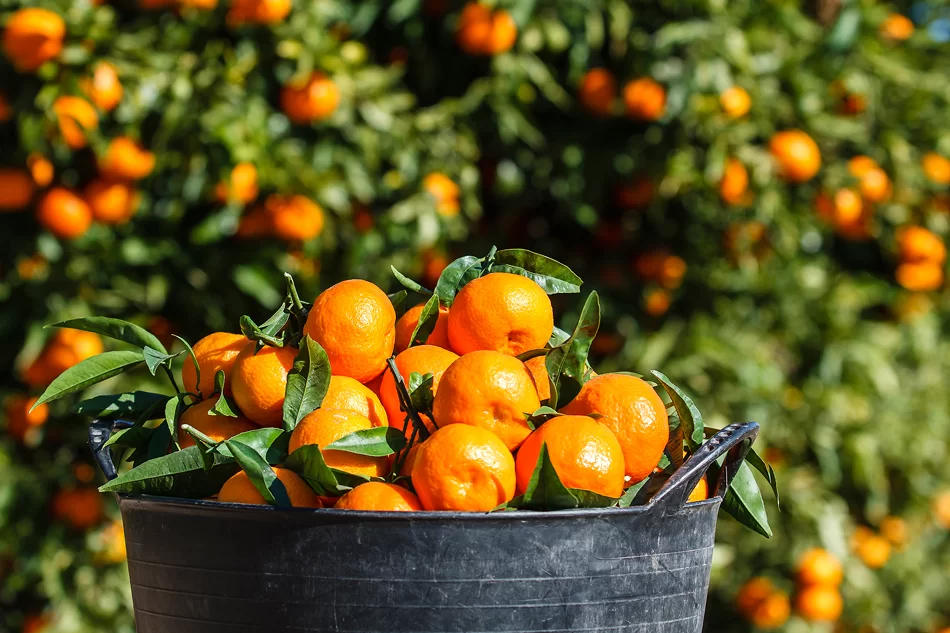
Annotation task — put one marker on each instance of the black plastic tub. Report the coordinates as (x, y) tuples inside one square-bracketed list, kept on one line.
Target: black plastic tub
[(207, 567)]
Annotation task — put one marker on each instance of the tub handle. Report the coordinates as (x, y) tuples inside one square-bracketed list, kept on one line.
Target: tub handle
[(733, 441), (99, 433)]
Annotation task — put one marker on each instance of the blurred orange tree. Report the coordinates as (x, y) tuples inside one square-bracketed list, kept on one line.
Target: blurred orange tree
[(757, 189)]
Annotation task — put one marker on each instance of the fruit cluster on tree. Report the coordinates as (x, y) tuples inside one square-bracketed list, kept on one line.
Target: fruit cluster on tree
[(758, 191)]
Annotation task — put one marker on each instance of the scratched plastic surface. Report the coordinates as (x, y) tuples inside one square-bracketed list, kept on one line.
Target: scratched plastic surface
[(204, 567)]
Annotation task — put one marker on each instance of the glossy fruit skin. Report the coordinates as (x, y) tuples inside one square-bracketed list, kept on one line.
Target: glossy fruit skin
[(217, 427), (125, 159), (351, 395), (377, 496), (644, 99), (80, 508), (734, 183), (259, 380), (598, 91), (314, 99), (735, 102), (501, 312), (103, 88), (355, 323), (64, 214), (423, 359), (463, 468), (111, 202), (239, 489), (16, 189), (406, 325), (539, 372), (75, 116), (489, 390), (634, 412), (585, 454), (215, 352), (324, 426), (796, 154), (819, 567), (819, 603), (32, 37)]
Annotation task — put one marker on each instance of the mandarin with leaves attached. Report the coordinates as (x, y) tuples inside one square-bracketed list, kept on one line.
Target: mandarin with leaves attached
[(215, 352), (351, 395), (259, 380), (240, 489), (217, 427), (406, 325), (633, 411), (421, 359), (325, 426)]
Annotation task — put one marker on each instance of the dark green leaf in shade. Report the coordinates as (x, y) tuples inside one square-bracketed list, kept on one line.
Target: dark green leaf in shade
[(398, 299), (753, 459), (180, 474), (124, 406), (691, 420), (743, 501), (223, 406), (553, 276), (260, 473), (427, 320), (307, 383), (307, 461), (567, 363), (155, 359), (455, 275), (420, 392)]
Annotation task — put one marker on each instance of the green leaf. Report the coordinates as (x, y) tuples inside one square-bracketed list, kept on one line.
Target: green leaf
[(567, 363), (278, 320), (194, 360), (844, 33), (456, 275), (691, 420), (254, 332), (260, 473), (224, 406), (558, 336), (176, 406), (744, 502), (553, 276), (406, 402), (398, 299), (270, 443), (203, 442), (753, 459), (125, 406), (427, 320), (180, 474), (89, 372), (630, 494), (420, 392), (137, 437), (539, 417), (524, 357), (545, 490), (376, 442), (155, 359), (409, 284), (116, 329), (307, 461), (307, 383)]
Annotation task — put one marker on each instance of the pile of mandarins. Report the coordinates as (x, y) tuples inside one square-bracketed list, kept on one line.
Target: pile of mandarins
[(470, 401), (481, 450)]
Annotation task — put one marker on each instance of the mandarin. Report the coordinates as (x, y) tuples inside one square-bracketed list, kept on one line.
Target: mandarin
[(406, 325), (325, 426), (75, 116), (585, 454), (63, 213), (240, 489), (377, 496), (488, 390), (819, 603), (32, 37), (355, 323), (634, 412), (644, 99), (215, 352), (350, 394), (818, 566), (463, 468), (796, 154), (259, 380), (423, 359), (16, 189), (598, 91)]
